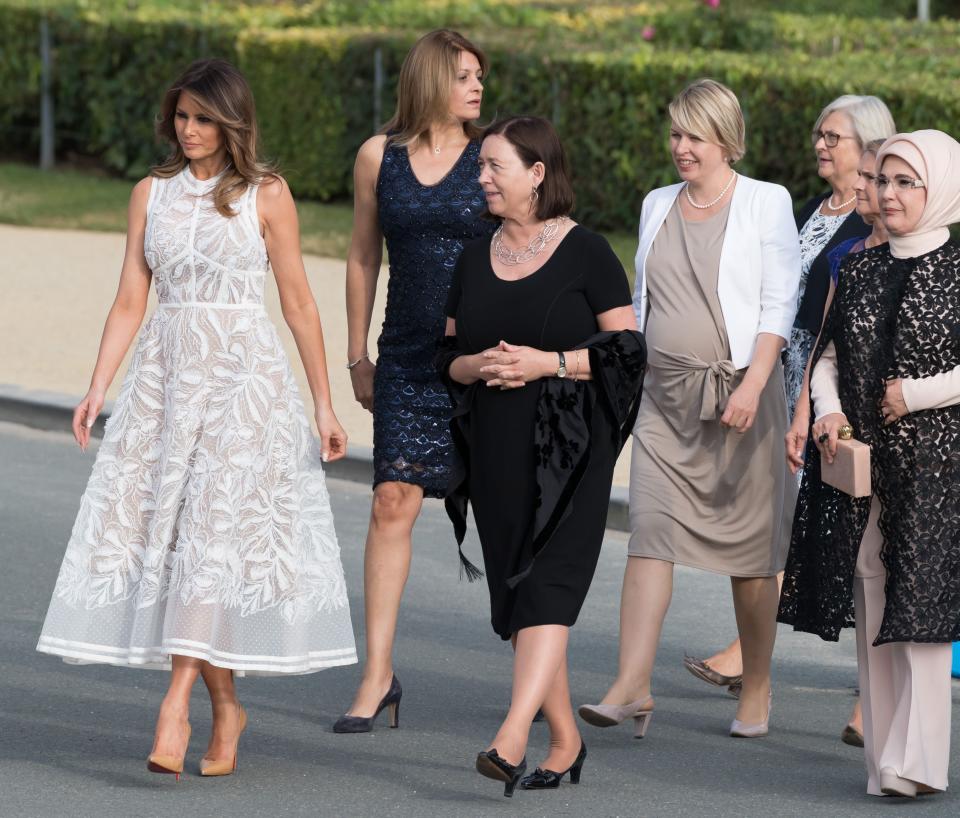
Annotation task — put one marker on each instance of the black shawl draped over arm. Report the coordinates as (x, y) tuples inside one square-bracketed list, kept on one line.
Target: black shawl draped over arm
[(562, 431)]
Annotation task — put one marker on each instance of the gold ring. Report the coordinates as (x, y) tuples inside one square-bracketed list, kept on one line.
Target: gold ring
[(845, 432)]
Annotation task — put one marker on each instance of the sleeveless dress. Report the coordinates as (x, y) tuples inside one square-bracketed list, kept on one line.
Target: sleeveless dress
[(425, 228), (205, 529)]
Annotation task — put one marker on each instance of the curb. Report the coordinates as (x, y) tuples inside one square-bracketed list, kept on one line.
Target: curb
[(53, 412)]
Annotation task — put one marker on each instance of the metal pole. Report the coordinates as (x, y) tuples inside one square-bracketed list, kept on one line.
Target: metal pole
[(46, 98), (555, 95), (923, 11), (377, 88)]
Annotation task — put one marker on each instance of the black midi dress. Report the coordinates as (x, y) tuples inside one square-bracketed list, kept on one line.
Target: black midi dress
[(554, 308)]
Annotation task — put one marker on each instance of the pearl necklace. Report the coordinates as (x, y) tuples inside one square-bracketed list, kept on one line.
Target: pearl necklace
[(842, 205), (733, 175), (514, 257)]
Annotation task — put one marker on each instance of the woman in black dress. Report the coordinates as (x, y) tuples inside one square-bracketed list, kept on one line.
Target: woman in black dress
[(546, 365), (415, 186)]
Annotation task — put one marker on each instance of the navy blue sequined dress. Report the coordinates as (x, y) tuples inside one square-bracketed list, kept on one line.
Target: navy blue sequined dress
[(425, 227)]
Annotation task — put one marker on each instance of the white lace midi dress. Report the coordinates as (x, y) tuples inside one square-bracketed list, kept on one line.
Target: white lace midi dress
[(205, 529)]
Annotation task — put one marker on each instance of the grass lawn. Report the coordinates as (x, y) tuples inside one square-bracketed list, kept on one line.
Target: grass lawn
[(87, 200)]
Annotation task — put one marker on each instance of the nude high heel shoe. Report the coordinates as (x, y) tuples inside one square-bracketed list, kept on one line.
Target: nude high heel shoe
[(172, 765), (608, 715), (210, 767), (739, 729)]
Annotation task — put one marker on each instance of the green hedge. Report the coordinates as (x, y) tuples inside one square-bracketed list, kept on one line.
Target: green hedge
[(812, 26), (315, 89)]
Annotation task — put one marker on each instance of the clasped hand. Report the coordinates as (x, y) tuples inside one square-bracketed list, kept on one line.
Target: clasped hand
[(509, 367)]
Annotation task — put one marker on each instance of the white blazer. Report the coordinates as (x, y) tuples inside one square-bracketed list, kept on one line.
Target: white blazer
[(759, 275)]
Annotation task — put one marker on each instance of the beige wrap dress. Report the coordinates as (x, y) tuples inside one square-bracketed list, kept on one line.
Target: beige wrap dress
[(701, 494)]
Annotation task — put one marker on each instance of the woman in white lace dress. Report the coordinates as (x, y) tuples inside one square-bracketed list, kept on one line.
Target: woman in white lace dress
[(205, 540)]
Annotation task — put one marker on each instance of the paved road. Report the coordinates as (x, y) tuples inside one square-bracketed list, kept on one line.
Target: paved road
[(73, 740)]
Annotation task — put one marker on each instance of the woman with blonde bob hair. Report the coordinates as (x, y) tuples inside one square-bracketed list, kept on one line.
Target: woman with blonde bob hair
[(415, 185), (843, 129), (716, 289), (205, 541)]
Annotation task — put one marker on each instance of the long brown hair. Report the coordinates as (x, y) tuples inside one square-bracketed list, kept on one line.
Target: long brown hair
[(225, 96), (426, 81)]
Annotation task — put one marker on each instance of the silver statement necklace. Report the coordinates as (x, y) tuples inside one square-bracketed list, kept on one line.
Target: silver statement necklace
[(733, 175), (514, 257), (842, 205)]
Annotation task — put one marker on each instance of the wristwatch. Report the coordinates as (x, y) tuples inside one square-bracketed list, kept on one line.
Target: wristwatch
[(562, 369)]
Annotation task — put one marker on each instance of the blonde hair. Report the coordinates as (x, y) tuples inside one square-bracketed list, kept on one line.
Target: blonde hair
[(709, 110), (870, 117), (225, 96), (426, 81)]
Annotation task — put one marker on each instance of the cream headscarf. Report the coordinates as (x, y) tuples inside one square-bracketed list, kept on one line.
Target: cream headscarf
[(935, 157)]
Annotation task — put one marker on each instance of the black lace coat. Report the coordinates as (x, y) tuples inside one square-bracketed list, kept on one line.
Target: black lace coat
[(562, 431), (890, 318)]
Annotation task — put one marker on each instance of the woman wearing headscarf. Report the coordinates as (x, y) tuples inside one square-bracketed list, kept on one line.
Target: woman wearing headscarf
[(887, 367)]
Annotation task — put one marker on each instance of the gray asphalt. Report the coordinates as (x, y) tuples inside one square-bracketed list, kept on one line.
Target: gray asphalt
[(73, 739)]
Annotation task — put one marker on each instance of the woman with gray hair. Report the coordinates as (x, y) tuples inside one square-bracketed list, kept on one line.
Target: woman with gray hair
[(842, 131), (839, 136)]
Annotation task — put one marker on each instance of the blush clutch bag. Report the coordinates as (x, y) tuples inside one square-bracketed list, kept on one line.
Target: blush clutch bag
[(850, 470)]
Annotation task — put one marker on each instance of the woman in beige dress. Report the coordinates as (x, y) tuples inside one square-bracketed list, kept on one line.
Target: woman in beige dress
[(717, 274)]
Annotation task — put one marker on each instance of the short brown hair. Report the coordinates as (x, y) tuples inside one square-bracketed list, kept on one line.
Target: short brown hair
[(536, 140)]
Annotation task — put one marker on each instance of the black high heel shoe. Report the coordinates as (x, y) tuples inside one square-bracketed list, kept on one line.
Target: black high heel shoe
[(492, 766), (361, 724), (549, 780)]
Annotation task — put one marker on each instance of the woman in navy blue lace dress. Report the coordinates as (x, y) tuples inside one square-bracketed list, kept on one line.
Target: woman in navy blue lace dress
[(415, 186)]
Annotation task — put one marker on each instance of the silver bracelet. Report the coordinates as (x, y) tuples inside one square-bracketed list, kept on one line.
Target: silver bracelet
[(352, 364)]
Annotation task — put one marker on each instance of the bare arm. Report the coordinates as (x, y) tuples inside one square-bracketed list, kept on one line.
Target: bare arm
[(124, 318), (363, 266), (281, 233)]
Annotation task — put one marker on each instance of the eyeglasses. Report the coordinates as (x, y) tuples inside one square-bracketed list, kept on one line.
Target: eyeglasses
[(900, 183), (830, 138)]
